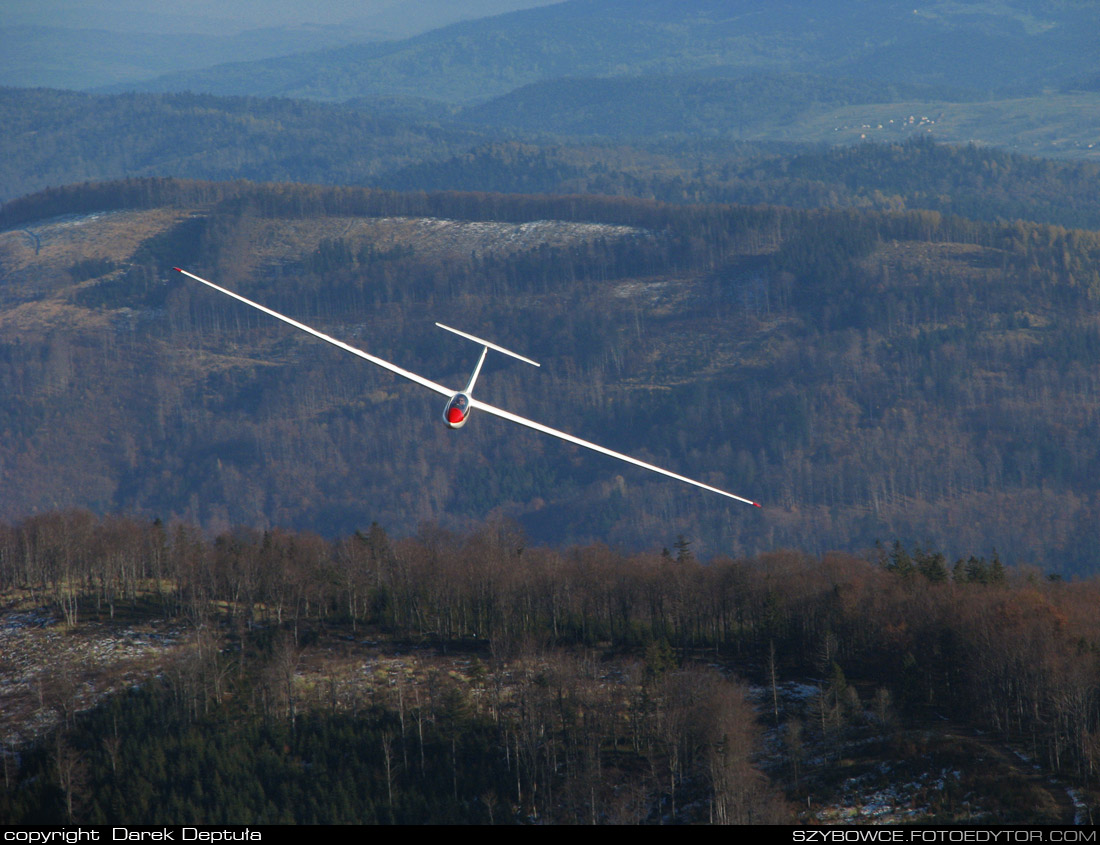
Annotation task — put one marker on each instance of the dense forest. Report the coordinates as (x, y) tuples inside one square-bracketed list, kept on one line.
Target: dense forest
[(59, 137), (863, 374), (965, 181), (55, 138), (693, 104), (591, 685)]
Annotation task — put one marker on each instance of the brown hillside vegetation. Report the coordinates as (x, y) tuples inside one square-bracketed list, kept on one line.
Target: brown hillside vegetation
[(865, 375), (606, 684)]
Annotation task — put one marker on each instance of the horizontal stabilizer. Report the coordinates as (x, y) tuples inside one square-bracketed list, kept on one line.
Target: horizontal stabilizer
[(488, 344)]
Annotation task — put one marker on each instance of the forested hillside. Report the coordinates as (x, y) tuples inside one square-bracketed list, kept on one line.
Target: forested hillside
[(56, 138), (866, 375), (685, 104), (968, 181), (478, 678)]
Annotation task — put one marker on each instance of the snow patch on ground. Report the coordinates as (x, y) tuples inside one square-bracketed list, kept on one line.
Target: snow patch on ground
[(48, 670)]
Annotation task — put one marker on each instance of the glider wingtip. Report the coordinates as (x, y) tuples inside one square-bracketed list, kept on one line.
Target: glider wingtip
[(757, 505)]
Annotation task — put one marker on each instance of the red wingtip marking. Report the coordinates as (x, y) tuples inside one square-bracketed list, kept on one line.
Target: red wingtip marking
[(757, 505), (177, 269)]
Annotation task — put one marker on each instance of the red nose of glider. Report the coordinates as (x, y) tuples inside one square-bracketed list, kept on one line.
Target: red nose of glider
[(454, 415)]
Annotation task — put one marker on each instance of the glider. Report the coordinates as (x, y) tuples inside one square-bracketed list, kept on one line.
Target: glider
[(461, 403)]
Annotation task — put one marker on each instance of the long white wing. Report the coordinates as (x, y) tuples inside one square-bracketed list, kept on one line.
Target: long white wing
[(393, 368), (474, 403), (553, 432)]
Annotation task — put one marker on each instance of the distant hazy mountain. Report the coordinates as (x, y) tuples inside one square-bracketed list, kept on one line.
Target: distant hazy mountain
[(97, 43), (59, 57), (393, 18), (1009, 45)]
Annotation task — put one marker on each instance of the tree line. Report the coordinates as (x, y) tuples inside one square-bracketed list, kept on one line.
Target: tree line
[(994, 647), (228, 734)]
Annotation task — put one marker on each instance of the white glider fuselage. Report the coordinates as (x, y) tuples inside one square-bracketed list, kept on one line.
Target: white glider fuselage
[(457, 411), (461, 403)]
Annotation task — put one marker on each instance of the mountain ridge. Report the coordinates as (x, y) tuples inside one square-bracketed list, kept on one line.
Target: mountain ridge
[(996, 47)]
